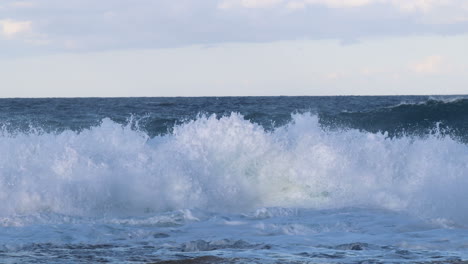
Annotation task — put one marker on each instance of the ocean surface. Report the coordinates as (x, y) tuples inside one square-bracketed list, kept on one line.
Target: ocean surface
[(234, 180)]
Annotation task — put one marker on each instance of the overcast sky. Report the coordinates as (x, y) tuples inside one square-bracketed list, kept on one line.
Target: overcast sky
[(69, 48)]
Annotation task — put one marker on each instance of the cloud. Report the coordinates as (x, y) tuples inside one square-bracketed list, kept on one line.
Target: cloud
[(429, 65), (296, 4), (11, 28), (89, 25), (22, 4), (407, 5), (422, 5), (293, 4), (428, 11), (226, 4)]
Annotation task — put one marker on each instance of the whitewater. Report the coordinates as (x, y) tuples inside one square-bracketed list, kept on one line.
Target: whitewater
[(223, 188)]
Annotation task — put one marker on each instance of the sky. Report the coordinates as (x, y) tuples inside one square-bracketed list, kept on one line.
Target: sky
[(120, 48)]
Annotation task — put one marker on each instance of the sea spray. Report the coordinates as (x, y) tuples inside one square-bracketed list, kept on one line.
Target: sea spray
[(229, 164)]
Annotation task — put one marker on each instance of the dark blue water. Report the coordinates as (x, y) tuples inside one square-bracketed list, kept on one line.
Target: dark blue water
[(396, 115), (234, 180)]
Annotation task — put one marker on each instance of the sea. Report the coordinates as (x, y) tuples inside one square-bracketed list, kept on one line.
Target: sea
[(338, 179)]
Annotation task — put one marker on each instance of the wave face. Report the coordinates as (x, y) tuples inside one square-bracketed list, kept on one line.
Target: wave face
[(445, 116), (231, 164)]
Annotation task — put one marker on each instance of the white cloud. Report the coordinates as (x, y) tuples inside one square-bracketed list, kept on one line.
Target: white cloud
[(330, 3), (10, 28), (226, 4), (296, 5), (421, 5), (293, 4), (404, 5), (422, 11), (22, 4), (88, 25), (429, 65)]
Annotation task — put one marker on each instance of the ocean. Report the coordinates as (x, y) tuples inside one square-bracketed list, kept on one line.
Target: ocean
[(345, 179)]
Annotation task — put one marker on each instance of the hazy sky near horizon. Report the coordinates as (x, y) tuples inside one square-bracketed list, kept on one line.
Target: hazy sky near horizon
[(80, 48)]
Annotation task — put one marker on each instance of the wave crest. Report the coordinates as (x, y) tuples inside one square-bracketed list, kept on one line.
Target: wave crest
[(230, 164)]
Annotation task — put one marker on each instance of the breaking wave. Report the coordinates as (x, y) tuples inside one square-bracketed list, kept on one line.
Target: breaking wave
[(230, 164)]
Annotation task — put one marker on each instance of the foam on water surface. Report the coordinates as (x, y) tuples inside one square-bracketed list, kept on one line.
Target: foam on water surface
[(229, 164), (227, 187)]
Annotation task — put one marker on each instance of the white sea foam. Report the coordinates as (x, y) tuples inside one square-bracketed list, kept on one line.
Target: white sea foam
[(229, 164)]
